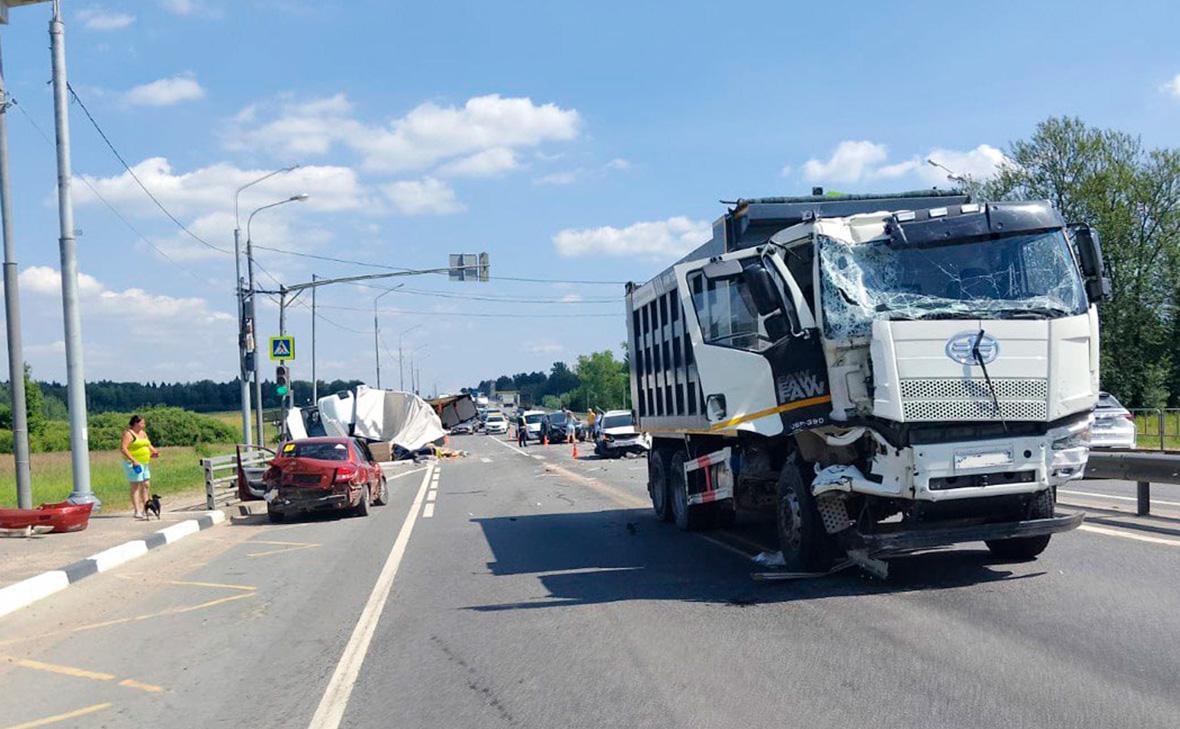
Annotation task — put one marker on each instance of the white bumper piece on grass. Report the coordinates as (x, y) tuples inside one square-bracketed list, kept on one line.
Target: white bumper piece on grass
[(28, 591)]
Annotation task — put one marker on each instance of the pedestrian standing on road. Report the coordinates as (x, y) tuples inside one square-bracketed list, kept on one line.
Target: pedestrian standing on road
[(591, 418), (138, 451), (570, 426), (521, 432)]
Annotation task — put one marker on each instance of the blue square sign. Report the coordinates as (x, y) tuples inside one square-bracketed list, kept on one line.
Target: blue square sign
[(282, 348)]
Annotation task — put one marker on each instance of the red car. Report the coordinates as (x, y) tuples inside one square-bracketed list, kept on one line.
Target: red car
[(323, 474)]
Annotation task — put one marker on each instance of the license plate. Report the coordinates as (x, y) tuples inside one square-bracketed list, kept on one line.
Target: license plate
[(983, 459)]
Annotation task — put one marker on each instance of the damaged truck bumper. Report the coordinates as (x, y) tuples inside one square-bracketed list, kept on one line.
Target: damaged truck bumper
[(916, 539)]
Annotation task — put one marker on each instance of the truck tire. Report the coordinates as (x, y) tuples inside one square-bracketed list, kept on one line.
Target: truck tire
[(1041, 507), (657, 484), (275, 516), (806, 546), (688, 518)]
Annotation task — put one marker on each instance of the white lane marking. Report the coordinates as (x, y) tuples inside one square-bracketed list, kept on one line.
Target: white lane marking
[(431, 495), (331, 709), (1129, 535), (1120, 498), (485, 460), (514, 449), (539, 458), (428, 511)]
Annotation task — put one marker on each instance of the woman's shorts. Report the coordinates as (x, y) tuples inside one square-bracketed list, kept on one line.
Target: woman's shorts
[(145, 472)]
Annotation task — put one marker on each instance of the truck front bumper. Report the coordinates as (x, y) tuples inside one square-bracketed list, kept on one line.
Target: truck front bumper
[(915, 539)]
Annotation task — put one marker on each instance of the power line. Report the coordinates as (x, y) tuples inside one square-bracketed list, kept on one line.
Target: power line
[(488, 297), (483, 315), (138, 181)]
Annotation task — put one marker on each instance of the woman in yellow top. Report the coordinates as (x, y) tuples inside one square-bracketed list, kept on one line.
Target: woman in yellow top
[(137, 448)]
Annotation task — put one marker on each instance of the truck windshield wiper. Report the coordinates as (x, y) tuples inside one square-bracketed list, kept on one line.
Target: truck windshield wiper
[(987, 378)]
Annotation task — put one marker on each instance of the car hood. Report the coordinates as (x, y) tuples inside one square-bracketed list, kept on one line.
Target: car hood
[(621, 432)]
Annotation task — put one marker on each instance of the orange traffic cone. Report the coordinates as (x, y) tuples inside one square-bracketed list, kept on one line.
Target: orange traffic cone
[(575, 449), (545, 440)]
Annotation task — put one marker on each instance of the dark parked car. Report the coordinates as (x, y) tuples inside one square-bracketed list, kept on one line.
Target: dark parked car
[(323, 474), (554, 425)]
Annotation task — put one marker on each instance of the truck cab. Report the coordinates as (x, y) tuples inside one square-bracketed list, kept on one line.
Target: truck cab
[(885, 372)]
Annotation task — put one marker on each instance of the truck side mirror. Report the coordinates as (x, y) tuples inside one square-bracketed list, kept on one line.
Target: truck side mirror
[(1089, 250), (762, 288)]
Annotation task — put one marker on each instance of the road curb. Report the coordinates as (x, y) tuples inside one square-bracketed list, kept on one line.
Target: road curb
[(28, 591)]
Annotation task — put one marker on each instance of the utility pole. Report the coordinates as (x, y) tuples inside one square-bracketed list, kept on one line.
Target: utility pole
[(377, 344), (16, 357), (315, 388), (75, 369)]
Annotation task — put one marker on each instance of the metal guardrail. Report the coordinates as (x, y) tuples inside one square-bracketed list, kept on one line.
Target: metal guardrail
[(1144, 468), (1155, 427), (221, 477)]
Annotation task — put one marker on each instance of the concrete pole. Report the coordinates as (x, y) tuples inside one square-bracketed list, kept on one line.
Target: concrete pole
[(401, 375), (261, 434), (75, 369), (315, 389), (376, 344), (16, 358)]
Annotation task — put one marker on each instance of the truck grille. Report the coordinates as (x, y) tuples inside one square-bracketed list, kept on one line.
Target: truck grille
[(956, 398)]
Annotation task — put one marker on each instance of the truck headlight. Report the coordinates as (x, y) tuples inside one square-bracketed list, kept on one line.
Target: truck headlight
[(1080, 439)]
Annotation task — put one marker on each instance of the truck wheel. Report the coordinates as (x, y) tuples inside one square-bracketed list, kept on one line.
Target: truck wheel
[(806, 545), (1026, 547), (657, 484), (275, 517), (688, 518)]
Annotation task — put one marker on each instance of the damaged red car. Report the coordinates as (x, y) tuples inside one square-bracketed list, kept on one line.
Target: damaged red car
[(323, 474)]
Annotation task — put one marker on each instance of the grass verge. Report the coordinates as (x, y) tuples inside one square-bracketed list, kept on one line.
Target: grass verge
[(176, 470)]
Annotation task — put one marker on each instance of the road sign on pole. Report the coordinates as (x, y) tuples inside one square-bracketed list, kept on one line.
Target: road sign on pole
[(468, 267), (282, 348)]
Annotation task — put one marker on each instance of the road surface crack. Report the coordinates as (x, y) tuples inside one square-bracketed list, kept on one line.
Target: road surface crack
[(475, 682)]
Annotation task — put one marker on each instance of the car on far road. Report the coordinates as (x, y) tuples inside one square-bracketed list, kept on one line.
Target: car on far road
[(617, 435), (323, 474), (533, 421), (1113, 426), (496, 424), (467, 427)]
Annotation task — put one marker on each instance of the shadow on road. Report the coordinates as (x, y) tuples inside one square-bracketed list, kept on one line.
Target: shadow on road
[(626, 554)]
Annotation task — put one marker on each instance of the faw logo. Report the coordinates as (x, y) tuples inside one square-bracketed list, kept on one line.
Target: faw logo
[(960, 348), (800, 386)]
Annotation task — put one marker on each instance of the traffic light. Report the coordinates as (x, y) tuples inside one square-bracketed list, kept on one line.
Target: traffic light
[(282, 380)]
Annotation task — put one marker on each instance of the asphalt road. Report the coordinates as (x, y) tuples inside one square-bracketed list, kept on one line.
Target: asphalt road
[(534, 590)]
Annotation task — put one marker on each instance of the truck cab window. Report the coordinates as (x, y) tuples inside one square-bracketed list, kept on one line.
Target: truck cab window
[(730, 316)]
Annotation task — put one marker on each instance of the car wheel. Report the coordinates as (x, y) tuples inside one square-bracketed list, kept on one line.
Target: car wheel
[(382, 493), (362, 507)]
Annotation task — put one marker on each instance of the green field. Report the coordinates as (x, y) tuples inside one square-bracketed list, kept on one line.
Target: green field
[(1147, 427), (176, 470)]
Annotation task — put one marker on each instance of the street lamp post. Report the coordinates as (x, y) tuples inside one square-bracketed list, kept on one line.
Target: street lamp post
[(377, 331), (401, 376), (413, 373), (253, 290), (247, 341)]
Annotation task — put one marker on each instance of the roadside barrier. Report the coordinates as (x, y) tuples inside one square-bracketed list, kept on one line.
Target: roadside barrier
[(221, 475), (1144, 468)]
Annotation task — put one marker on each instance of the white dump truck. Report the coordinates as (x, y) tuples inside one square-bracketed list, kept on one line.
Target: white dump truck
[(886, 373)]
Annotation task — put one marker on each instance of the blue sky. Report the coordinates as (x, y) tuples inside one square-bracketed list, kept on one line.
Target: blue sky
[(586, 141)]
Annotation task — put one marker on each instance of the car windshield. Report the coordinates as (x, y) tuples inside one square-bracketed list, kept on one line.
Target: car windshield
[(495, 419), (617, 421), (1015, 277), (318, 451), (557, 418), (533, 419)]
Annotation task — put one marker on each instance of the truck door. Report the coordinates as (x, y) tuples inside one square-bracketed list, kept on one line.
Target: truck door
[(760, 361)]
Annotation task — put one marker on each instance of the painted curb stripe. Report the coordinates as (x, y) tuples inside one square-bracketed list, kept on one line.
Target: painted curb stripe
[(20, 594)]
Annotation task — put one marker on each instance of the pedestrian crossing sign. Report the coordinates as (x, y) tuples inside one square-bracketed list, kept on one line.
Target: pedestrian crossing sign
[(282, 348)]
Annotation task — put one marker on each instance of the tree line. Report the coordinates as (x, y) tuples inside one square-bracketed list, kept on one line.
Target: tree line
[(596, 380)]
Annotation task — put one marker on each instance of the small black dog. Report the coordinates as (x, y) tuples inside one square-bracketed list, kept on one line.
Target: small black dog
[(152, 506)]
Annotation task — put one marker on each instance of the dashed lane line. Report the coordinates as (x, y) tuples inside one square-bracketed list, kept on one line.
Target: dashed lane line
[(283, 547), (428, 511), (1126, 534), (60, 717), (75, 672)]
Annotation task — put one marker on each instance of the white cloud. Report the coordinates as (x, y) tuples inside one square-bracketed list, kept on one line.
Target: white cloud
[(571, 298), (864, 161), (618, 163), (165, 92), (661, 238), (426, 136), (100, 19), (1172, 87), (211, 189), (568, 177), (488, 163), (180, 7), (848, 163), (428, 196), (143, 313), (544, 348)]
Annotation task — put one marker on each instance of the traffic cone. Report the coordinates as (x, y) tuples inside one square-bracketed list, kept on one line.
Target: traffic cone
[(575, 449), (545, 439)]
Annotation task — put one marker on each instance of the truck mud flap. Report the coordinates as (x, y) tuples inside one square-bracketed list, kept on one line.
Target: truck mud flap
[(908, 541)]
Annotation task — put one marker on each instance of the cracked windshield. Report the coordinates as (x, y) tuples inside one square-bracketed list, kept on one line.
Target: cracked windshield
[(1019, 276)]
